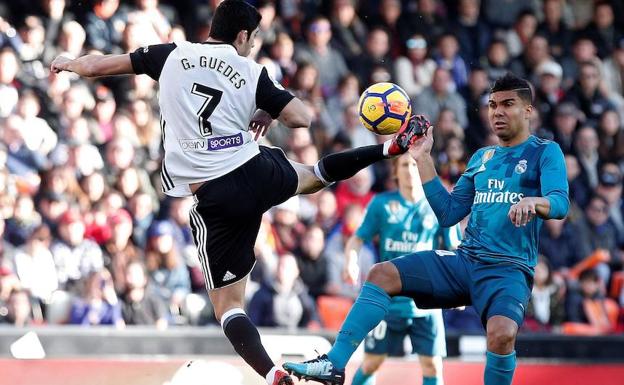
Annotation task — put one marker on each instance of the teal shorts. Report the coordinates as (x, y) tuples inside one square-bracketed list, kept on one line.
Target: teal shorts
[(442, 279), (426, 334)]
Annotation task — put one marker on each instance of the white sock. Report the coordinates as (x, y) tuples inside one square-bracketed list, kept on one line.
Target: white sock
[(271, 375), (386, 147)]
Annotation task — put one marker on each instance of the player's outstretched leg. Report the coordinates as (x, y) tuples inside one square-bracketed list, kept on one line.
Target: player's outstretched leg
[(243, 334), (343, 165), (368, 310)]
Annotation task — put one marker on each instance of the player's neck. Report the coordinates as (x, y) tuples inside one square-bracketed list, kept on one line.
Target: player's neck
[(410, 194), (516, 140)]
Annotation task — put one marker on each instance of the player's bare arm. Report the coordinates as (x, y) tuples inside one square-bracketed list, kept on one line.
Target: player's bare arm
[(352, 249), (295, 114), (94, 65)]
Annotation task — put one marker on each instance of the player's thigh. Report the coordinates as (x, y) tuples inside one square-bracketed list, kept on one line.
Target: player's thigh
[(224, 243), (308, 181), (434, 279), (427, 335), (228, 297), (500, 289), (273, 180)]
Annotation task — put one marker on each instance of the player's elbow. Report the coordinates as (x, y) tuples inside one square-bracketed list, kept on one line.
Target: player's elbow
[(295, 115)]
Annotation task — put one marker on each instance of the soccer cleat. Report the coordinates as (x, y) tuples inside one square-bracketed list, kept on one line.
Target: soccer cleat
[(415, 127), (282, 378), (319, 369)]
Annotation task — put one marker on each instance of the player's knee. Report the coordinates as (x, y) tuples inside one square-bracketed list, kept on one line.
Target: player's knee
[(501, 334), (386, 276)]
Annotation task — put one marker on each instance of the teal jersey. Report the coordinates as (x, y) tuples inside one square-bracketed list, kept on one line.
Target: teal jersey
[(404, 227), (496, 178)]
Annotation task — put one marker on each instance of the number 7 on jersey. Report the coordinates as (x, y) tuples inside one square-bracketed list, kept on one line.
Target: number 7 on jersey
[(213, 97)]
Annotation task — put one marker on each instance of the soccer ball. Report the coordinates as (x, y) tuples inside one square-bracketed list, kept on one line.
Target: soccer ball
[(384, 107)]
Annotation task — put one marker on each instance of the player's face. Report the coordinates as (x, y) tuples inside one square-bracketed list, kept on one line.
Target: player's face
[(509, 116), (247, 45), (407, 172)]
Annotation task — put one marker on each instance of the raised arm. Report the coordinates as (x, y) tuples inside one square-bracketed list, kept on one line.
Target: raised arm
[(94, 65), (450, 208)]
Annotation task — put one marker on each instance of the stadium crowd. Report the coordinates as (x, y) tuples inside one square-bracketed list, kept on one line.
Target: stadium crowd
[(87, 237)]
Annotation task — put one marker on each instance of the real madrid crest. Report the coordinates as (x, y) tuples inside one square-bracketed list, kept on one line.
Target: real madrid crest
[(521, 167), (487, 155)]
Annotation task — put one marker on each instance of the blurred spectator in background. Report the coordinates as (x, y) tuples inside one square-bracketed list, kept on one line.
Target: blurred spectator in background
[(317, 51), (75, 257), (587, 154), (546, 309), (24, 221), (554, 28), (472, 32), (587, 309), (34, 265), (414, 71), (19, 309), (334, 250), (602, 30), (311, 260), (548, 93), (348, 31), (565, 120), (284, 302), (559, 244), (376, 54), (447, 57), (611, 137), (498, 59), (439, 96), (9, 67), (597, 234), (104, 25), (287, 228), (166, 268), (586, 94), (98, 304), (613, 70), (610, 187), (354, 191), (141, 306), (523, 30)]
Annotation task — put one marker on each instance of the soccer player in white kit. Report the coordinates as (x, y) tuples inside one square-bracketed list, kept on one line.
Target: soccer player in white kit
[(212, 100)]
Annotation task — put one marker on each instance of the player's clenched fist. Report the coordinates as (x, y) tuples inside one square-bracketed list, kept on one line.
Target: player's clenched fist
[(522, 212), (60, 63)]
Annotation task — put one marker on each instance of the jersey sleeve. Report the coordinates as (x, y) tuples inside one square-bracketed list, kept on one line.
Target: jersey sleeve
[(270, 95), (371, 223), (553, 180), (450, 208), (150, 60)]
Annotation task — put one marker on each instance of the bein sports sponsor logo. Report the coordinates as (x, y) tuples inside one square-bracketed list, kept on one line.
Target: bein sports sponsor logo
[(192, 145), (225, 142)]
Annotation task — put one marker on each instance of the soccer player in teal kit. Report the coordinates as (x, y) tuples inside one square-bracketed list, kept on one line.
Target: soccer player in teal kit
[(508, 189), (405, 223)]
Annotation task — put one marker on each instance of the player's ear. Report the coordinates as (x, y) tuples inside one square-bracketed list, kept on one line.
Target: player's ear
[(528, 111)]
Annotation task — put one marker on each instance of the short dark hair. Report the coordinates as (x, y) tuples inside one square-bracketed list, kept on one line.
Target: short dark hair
[(511, 82), (231, 17)]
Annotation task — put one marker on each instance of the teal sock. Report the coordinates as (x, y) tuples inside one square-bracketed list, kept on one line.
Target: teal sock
[(368, 310), (360, 378), (433, 381), (499, 369)]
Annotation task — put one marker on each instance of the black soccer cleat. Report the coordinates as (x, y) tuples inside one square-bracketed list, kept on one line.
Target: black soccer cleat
[(416, 127)]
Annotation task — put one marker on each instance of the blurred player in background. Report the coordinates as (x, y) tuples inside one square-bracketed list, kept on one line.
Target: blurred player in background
[(405, 223), (212, 98), (504, 188)]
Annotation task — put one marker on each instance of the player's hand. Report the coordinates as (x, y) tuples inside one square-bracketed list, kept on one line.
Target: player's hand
[(60, 63), (522, 212), (351, 271), (423, 145), (260, 123)]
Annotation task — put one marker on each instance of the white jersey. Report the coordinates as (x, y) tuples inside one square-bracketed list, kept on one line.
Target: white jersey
[(208, 94)]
